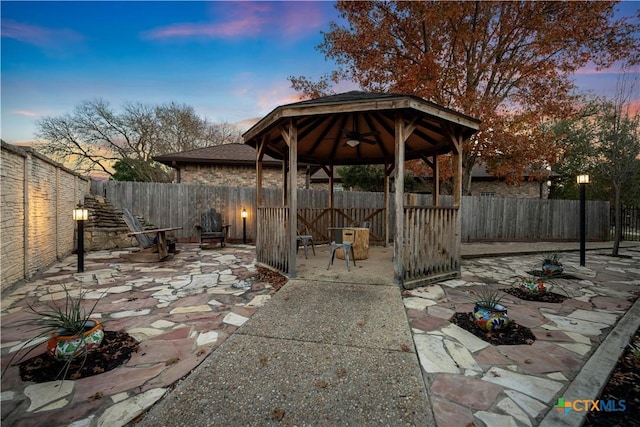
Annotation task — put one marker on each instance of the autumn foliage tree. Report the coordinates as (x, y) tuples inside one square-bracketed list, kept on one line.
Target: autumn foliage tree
[(507, 63)]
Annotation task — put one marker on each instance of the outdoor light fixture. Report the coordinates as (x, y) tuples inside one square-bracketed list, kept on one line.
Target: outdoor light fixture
[(243, 214), (582, 180), (80, 214), (352, 142)]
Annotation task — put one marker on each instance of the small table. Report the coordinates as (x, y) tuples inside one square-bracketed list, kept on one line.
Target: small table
[(161, 243), (360, 238)]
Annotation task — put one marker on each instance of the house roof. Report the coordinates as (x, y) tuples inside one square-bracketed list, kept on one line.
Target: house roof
[(324, 125), (224, 154)]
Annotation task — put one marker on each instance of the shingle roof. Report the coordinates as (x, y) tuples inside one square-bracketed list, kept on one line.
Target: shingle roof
[(225, 154)]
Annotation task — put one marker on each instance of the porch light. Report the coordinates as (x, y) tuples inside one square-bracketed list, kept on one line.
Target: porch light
[(80, 214), (582, 179), (243, 214)]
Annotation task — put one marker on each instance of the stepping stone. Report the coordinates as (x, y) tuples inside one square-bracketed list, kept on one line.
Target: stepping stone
[(432, 292), (43, 394), (491, 419), (467, 339), (539, 388), (461, 356), (234, 319), (417, 303), (207, 338), (191, 309), (568, 324), (509, 407), (121, 413), (433, 356)]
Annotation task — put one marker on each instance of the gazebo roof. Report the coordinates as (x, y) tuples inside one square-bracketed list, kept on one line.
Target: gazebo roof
[(324, 125)]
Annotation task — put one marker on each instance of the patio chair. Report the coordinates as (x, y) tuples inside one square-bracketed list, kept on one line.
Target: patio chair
[(152, 249), (339, 243), (305, 238), (211, 227)]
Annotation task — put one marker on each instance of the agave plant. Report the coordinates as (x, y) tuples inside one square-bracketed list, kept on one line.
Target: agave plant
[(68, 321), (488, 297)]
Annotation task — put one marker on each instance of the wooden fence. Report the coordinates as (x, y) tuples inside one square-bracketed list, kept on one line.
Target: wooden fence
[(482, 218)]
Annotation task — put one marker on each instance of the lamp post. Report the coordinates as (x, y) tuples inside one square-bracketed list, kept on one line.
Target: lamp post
[(582, 180), (80, 214), (244, 225)]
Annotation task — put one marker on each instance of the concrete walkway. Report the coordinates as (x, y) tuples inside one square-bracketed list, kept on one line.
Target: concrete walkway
[(323, 353)]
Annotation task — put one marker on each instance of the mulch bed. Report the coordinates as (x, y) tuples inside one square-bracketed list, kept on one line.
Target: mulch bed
[(276, 279), (544, 297), (513, 334), (115, 350), (623, 384)]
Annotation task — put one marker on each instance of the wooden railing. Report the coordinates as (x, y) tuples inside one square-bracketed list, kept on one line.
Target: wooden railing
[(318, 221), (430, 248), (272, 240)]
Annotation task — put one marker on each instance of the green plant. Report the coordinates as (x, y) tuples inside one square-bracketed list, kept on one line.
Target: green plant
[(552, 258), (635, 350), (488, 297), (68, 319)]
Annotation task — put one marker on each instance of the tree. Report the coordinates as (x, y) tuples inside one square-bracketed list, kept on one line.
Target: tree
[(617, 148), (96, 138), (507, 63), (369, 178), (605, 142)]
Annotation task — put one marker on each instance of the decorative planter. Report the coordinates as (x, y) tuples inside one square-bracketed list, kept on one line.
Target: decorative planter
[(550, 269), (64, 347), (491, 319), (532, 286)]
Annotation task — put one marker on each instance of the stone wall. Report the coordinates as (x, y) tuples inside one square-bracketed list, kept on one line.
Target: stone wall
[(235, 176), (38, 196), (105, 228)]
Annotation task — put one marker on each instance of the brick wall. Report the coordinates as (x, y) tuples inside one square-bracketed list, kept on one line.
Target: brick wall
[(38, 196), (235, 176), (526, 190)]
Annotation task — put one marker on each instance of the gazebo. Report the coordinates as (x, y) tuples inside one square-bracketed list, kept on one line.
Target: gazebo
[(360, 128)]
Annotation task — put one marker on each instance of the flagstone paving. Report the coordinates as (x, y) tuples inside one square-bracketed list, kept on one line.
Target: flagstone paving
[(184, 309), (180, 311), (471, 381)]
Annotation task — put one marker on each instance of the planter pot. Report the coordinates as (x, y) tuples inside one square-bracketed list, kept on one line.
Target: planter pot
[(533, 287), (550, 269), (62, 346), (491, 319)]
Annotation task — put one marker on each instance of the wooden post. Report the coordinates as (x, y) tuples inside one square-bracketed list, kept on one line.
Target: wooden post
[(398, 251), (293, 196), (436, 182), (259, 156), (387, 214), (331, 222)]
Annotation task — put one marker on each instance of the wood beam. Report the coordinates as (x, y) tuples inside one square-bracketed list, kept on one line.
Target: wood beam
[(293, 196), (398, 251), (259, 156), (330, 173), (436, 181), (387, 202)]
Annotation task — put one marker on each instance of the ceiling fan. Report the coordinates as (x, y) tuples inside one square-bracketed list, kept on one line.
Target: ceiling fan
[(354, 137)]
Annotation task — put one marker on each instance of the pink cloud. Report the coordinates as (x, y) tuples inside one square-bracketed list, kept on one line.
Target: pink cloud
[(25, 113), (38, 36), (235, 19)]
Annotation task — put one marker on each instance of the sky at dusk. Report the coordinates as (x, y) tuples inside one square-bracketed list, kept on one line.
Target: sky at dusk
[(228, 60)]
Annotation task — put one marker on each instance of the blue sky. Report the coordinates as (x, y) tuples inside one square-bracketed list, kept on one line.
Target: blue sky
[(228, 60)]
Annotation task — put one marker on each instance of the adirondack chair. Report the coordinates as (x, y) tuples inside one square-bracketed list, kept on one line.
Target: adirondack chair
[(152, 249), (211, 227)]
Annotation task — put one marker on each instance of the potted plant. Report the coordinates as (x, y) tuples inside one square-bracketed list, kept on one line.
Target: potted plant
[(72, 330), (551, 264), (489, 314), (531, 285)]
